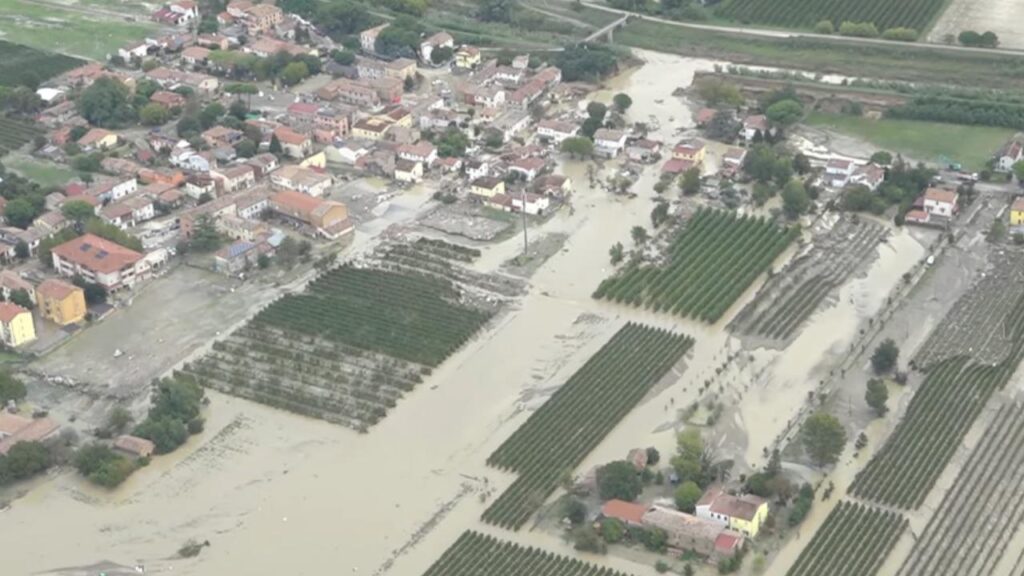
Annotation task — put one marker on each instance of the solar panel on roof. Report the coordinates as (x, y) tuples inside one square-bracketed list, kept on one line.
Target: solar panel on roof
[(101, 254), (85, 247)]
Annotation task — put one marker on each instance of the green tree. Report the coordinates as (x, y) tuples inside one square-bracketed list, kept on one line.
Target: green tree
[(687, 495), (107, 103), (275, 146), (24, 460), (78, 211), (578, 147), (723, 127), (153, 114), (622, 102), (715, 92), (22, 298), (997, 231), (94, 293), (885, 356), (794, 199), (574, 510), (210, 115), (616, 252), (876, 396), (441, 54), (612, 530), (21, 250), (785, 112), (205, 237), (618, 480), (639, 235), (659, 214), (882, 158), (823, 437), (11, 388), (238, 109), (597, 110), (495, 10), (585, 539), (690, 182), (246, 148), (824, 27), (294, 73), (20, 213), (118, 419), (452, 143)]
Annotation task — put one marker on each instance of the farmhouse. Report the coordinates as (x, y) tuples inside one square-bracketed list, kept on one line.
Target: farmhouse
[(687, 532), (752, 125), (629, 513), (939, 202), (743, 514), (15, 428), (1011, 153)]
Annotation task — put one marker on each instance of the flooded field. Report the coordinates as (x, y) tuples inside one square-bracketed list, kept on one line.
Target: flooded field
[(276, 493)]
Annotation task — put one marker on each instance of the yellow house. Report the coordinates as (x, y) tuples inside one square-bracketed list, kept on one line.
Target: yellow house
[(692, 150), (61, 302), (16, 325), (318, 160), (98, 139), (744, 514), (467, 57), (487, 187), (1017, 212)]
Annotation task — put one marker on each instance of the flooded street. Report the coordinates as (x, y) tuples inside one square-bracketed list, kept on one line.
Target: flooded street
[(275, 493)]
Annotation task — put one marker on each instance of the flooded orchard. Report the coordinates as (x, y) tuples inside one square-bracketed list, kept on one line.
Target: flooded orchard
[(276, 493)]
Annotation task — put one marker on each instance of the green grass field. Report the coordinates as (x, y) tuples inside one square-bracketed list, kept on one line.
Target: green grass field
[(971, 146), (67, 31), (47, 174)]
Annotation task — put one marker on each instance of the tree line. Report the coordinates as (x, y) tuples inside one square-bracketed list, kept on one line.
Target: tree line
[(982, 112)]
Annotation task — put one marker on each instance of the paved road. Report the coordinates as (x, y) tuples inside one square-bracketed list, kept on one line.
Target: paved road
[(766, 33)]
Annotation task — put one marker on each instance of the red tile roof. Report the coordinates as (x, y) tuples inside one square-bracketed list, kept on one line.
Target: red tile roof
[(9, 311), (56, 289), (629, 512), (97, 254)]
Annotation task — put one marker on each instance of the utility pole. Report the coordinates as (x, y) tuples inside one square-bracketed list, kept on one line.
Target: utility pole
[(526, 244)]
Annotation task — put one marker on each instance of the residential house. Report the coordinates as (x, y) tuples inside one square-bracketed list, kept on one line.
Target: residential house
[(129, 212), (294, 144), (195, 55), (529, 167), (167, 99), (400, 68), (526, 94), (15, 428), (11, 282), (532, 204), (733, 158), (1009, 155), (450, 164), (553, 185), (261, 18), (643, 150), (97, 139), (133, 51), (234, 178), (487, 186), (704, 116), (609, 142), (99, 260), (744, 514), (421, 151), (467, 57), (329, 219), (267, 47), (222, 136), (372, 128), (302, 115), (387, 89), (111, 189), (60, 302), (134, 446), (676, 166), (438, 40), (629, 513), (239, 8), (408, 171), (870, 175), (51, 222), (940, 202), (511, 123), (752, 125), (368, 68), (16, 325), (556, 130), (237, 257), (477, 168), (301, 179), (1017, 212), (263, 164), (349, 153), (350, 92), (58, 115), (691, 149), (214, 41), (368, 38), (838, 172)]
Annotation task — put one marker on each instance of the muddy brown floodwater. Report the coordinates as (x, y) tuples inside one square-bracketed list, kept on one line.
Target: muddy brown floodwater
[(276, 493)]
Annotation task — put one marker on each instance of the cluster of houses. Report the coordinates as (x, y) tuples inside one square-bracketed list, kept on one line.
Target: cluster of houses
[(54, 300)]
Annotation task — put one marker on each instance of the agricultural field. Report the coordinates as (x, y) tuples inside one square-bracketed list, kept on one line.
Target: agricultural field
[(970, 530), (971, 146), (885, 14), (15, 133), (560, 434), (474, 554), (349, 347), (707, 268), (77, 32), (791, 296), (854, 540), (974, 325), (21, 65)]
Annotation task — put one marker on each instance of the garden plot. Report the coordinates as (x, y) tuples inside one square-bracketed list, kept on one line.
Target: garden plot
[(474, 554), (970, 530), (560, 434), (854, 540), (358, 338), (975, 325), (791, 296), (708, 266)]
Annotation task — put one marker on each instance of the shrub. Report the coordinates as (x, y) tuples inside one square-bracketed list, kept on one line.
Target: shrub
[(858, 29), (900, 34), (824, 27)]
